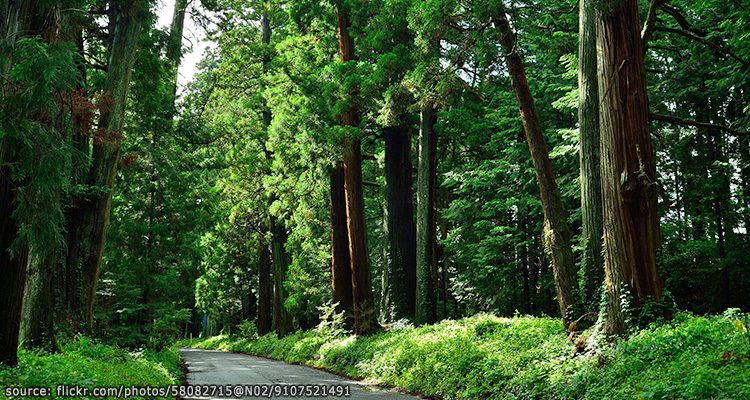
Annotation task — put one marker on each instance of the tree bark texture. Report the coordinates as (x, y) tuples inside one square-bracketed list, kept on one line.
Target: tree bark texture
[(400, 262), (629, 187), (425, 225), (282, 322), (364, 309), (591, 189), (341, 271), (265, 289), (106, 149)]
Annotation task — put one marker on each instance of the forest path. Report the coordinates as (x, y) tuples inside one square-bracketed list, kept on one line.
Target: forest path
[(211, 367)]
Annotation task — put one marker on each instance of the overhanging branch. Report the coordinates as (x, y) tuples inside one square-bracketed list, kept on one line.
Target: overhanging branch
[(688, 122)]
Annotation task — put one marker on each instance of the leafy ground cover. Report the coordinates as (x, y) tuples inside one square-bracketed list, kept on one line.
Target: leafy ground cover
[(88, 364), (487, 357)]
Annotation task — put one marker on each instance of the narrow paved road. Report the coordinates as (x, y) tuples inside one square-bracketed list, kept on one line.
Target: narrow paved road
[(209, 367)]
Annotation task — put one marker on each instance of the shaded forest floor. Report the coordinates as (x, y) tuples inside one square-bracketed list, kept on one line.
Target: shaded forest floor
[(89, 364), (486, 357)]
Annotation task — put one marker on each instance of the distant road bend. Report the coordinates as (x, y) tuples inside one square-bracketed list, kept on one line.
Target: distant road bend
[(210, 367)]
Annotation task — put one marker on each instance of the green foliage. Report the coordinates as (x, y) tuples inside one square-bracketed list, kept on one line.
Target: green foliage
[(86, 363), (486, 357)]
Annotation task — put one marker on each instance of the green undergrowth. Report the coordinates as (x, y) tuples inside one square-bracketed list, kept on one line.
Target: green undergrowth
[(486, 357), (88, 364)]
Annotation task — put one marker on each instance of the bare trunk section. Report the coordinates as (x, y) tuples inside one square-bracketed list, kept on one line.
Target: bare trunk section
[(364, 309), (591, 189), (341, 271), (556, 232), (425, 226), (400, 286), (106, 152), (264, 289), (37, 328), (629, 188), (282, 322), (12, 262)]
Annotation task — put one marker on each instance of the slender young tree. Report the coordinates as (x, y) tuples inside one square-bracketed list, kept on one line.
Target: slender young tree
[(628, 172), (364, 310), (588, 127), (556, 232)]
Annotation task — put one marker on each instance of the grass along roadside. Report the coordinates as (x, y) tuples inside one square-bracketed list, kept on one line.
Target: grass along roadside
[(487, 357), (88, 364)]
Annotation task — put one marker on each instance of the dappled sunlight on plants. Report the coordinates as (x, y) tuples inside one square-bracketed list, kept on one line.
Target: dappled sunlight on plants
[(487, 357)]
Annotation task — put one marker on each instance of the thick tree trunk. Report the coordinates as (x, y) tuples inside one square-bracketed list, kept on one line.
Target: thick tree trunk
[(12, 262), (282, 322), (265, 289), (591, 189), (37, 324), (400, 262), (425, 229), (629, 187), (341, 271), (106, 152), (556, 232), (364, 309)]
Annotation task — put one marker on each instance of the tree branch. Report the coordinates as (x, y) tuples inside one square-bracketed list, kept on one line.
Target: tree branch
[(688, 122), (650, 24), (717, 48)]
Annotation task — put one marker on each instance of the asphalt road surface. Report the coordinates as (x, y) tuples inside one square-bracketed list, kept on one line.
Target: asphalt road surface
[(209, 367)]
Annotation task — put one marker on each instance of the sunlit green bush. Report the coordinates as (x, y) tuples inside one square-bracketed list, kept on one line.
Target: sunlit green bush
[(89, 364), (486, 357)]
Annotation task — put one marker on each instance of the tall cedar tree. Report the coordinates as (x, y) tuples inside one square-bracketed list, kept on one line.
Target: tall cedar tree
[(628, 172), (400, 268), (588, 126), (556, 232), (126, 20), (364, 311), (341, 270), (13, 254), (425, 230)]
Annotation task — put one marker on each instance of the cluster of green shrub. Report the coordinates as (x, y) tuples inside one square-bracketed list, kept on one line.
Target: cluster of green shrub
[(487, 357), (89, 364)]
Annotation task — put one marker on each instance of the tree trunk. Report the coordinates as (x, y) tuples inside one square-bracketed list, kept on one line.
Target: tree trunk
[(12, 262), (629, 187), (106, 152), (341, 271), (37, 328), (264, 289), (364, 309), (400, 262), (591, 189), (426, 187), (282, 322), (556, 232)]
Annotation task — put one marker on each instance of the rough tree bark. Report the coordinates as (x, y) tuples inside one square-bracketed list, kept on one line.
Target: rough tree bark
[(400, 264), (282, 322), (106, 149), (588, 122), (629, 187), (264, 288), (556, 232), (341, 271), (364, 310), (425, 226)]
